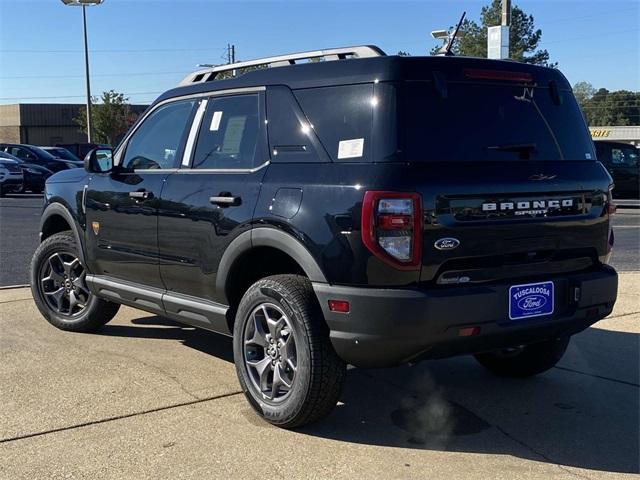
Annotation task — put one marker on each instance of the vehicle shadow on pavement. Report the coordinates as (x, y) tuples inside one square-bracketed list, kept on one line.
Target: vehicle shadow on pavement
[(166, 329), (583, 413), (562, 417)]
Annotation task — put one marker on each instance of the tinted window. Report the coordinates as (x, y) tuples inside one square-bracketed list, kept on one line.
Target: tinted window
[(489, 121), (156, 142), (291, 138), (229, 133), (21, 153), (624, 156), (342, 118)]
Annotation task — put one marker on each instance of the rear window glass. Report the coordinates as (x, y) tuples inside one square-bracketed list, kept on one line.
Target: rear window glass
[(491, 122), (342, 118)]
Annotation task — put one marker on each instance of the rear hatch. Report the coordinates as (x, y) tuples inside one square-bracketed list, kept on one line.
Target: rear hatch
[(506, 168)]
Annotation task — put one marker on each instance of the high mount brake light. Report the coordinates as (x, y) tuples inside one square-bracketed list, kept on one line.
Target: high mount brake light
[(392, 227), (503, 75)]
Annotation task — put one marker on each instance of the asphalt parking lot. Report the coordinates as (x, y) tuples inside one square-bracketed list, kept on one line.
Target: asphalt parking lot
[(147, 398)]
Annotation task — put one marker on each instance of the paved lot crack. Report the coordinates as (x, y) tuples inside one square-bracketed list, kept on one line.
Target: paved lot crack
[(620, 315), (119, 417), (624, 382), (538, 453), (160, 370), (16, 300)]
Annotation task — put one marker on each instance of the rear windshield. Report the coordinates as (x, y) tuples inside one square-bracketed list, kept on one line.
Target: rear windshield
[(487, 121)]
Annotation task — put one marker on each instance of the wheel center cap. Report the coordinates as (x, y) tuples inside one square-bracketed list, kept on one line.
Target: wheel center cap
[(272, 352), (68, 284)]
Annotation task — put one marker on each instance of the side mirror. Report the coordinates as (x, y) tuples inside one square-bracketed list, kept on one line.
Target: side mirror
[(99, 160)]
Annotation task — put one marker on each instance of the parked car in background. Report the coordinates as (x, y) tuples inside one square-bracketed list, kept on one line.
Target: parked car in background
[(34, 175), (61, 152), (10, 177), (621, 159), (80, 150), (37, 155)]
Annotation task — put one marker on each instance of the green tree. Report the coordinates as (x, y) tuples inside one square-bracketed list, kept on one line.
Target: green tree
[(524, 38), (111, 117), (602, 107)]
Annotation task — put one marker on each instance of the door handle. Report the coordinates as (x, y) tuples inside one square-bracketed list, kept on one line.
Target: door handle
[(141, 195), (225, 200)]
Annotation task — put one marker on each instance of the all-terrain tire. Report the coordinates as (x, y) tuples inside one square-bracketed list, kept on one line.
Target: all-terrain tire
[(95, 313), (525, 361), (320, 373)]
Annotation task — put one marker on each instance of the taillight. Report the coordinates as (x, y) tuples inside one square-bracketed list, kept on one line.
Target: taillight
[(392, 227)]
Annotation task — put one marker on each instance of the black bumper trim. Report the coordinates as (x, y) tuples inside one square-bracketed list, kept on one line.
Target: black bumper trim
[(388, 327)]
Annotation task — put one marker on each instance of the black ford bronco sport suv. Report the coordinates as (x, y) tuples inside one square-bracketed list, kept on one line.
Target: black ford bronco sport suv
[(367, 209)]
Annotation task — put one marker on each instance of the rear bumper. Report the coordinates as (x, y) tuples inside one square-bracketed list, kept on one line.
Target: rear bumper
[(388, 327)]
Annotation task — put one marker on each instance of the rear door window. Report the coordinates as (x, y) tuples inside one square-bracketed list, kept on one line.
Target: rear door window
[(229, 133)]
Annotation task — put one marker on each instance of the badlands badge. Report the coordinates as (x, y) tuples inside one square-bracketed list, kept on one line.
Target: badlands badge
[(96, 227)]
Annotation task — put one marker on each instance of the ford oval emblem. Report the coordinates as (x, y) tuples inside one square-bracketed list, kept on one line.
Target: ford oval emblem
[(532, 302), (447, 243)]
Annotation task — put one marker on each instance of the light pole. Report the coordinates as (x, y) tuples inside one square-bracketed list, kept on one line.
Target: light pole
[(84, 4)]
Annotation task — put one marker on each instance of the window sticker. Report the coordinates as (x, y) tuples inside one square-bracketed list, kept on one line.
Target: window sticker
[(215, 121), (587, 156), (351, 148), (233, 135)]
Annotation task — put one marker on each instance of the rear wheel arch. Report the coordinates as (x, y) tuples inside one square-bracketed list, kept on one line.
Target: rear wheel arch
[(260, 253)]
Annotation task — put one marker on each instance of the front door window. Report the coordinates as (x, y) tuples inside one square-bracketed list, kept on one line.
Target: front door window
[(154, 145)]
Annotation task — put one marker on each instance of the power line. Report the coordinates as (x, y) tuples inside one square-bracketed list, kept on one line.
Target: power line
[(121, 74), (152, 50), (74, 96), (600, 14), (582, 37)]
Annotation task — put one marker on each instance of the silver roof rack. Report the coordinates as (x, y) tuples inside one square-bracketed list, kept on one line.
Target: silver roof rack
[(210, 73)]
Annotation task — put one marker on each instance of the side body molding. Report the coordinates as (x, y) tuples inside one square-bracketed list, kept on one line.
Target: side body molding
[(268, 237), (58, 209)]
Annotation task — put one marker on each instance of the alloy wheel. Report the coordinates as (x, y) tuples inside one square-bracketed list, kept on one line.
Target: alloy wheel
[(62, 283), (270, 353)]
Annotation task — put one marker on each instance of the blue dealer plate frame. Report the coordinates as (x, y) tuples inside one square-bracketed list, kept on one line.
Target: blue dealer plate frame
[(531, 300)]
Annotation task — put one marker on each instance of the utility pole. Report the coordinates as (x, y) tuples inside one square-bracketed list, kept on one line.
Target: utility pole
[(231, 53), (86, 70), (498, 36), (506, 13), (84, 4)]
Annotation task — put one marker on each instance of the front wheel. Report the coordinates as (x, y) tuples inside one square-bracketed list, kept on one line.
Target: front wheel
[(59, 288), (285, 362), (526, 360)]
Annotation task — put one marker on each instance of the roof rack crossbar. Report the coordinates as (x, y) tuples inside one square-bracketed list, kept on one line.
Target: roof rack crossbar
[(210, 73)]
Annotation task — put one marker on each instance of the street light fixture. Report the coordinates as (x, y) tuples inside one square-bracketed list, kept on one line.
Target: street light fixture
[(83, 4)]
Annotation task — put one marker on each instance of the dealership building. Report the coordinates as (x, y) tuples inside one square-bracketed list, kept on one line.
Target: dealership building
[(629, 134), (44, 123)]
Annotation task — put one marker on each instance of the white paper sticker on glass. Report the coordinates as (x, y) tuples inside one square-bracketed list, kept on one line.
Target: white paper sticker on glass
[(215, 121), (351, 148)]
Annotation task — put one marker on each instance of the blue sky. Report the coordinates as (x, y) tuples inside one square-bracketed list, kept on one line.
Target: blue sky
[(143, 47)]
